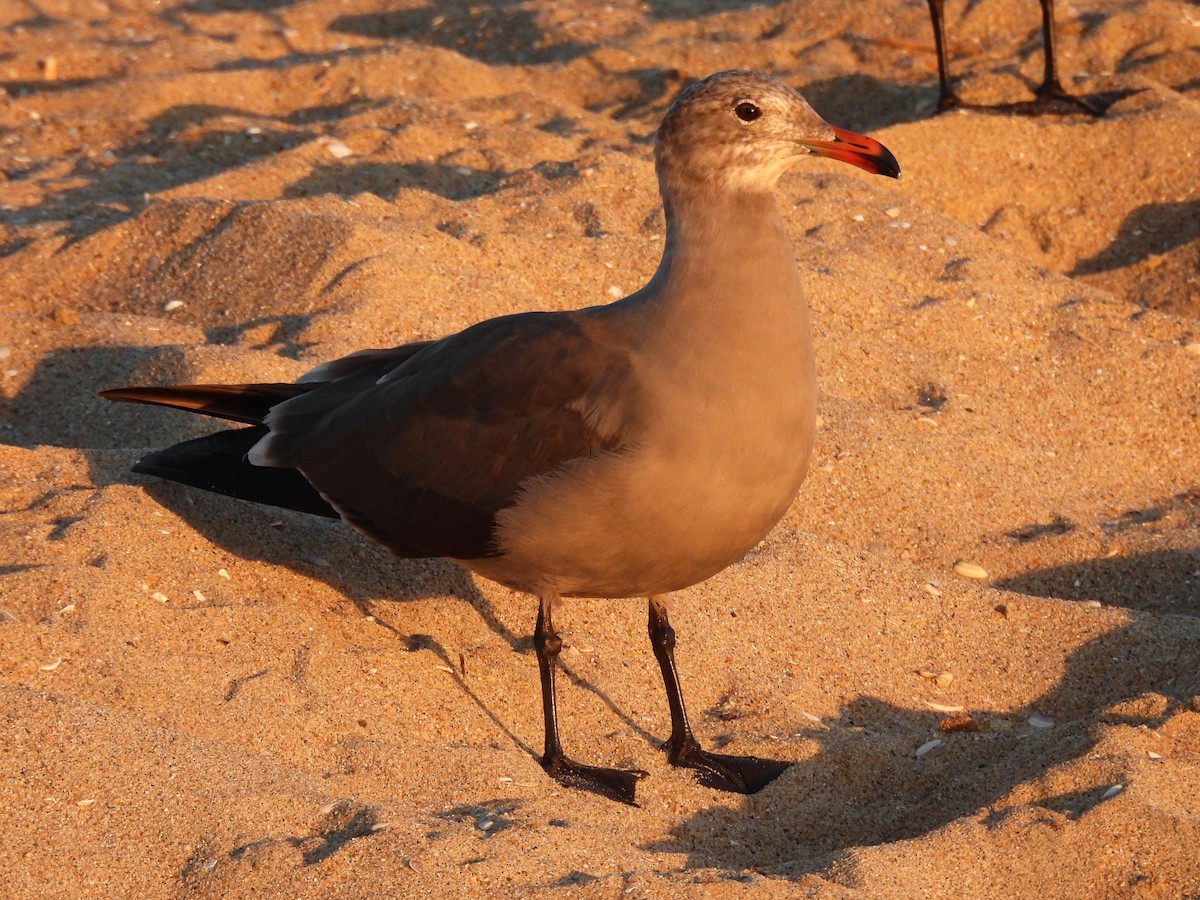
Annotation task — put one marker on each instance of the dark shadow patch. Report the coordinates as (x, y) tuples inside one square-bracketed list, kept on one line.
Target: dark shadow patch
[(865, 786), (1073, 804), (1150, 230), (865, 103), (9, 248), (284, 338), (931, 397), (236, 684), (489, 817), (1131, 519), (346, 822), (642, 94), (585, 214), (26, 87), (571, 879), (385, 179), (497, 32), (561, 126), (17, 570), (184, 144), (695, 9), (1161, 581), (1035, 531), (203, 7), (952, 271), (58, 404)]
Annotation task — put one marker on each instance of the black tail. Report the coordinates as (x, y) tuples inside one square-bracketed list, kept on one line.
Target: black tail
[(218, 462)]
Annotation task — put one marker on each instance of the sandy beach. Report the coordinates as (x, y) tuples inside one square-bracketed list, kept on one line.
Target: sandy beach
[(976, 632)]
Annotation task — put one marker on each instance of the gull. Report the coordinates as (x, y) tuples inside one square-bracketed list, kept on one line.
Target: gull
[(625, 450)]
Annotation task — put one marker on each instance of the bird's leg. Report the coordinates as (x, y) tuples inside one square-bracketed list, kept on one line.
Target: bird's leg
[(947, 98), (739, 774), (1051, 95), (616, 784)]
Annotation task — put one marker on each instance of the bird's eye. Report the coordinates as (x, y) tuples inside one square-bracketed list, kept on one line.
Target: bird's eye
[(747, 111)]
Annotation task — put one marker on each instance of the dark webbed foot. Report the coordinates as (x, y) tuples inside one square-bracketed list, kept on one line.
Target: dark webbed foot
[(736, 774), (615, 784), (1053, 99)]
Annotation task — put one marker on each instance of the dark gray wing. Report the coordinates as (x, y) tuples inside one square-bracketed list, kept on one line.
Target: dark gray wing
[(423, 458)]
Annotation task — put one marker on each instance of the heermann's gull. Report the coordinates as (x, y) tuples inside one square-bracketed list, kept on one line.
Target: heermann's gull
[(626, 450), (1051, 95)]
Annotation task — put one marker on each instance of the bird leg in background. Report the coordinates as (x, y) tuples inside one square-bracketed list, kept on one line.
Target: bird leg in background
[(616, 784), (1051, 91), (1052, 97), (738, 774), (947, 99)]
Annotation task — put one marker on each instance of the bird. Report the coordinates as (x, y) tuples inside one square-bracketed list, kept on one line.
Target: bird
[(1050, 95), (624, 450)]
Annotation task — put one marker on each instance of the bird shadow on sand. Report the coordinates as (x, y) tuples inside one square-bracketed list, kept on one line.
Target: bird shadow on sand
[(370, 578), (865, 785), (1159, 581)]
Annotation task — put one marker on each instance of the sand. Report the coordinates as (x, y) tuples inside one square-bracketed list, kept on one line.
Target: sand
[(199, 697)]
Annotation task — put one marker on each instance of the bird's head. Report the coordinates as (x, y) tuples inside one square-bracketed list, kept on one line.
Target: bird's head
[(742, 131)]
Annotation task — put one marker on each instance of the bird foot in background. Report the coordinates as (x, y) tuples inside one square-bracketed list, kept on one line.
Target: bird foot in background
[(615, 784), (735, 774), (1052, 100)]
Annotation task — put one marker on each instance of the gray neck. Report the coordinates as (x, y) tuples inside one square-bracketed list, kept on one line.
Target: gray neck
[(727, 258)]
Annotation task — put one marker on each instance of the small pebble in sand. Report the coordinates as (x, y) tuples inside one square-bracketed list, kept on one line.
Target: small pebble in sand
[(970, 570), (224, 573), (335, 148), (172, 305), (1112, 791)]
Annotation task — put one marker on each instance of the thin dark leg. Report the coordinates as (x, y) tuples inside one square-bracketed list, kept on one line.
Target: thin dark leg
[(947, 99), (616, 784), (1051, 93), (739, 774)]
